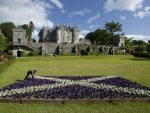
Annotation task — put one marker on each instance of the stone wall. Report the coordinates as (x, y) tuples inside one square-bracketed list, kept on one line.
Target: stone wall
[(61, 34)]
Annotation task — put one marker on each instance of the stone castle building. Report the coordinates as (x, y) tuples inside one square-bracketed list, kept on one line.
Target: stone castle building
[(58, 40), (61, 34)]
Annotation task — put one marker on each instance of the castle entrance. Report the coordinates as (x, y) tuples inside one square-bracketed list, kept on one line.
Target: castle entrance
[(19, 53)]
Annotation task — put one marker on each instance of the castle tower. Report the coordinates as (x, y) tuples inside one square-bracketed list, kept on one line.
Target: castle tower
[(121, 42), (19, 39), (75, 35), (19, 36)]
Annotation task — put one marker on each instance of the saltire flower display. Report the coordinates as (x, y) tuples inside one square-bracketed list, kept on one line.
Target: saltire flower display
[(74, 87)]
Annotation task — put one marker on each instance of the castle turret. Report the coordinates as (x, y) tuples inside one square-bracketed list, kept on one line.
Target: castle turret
[(19, 36), (75, 35), (121, 42)]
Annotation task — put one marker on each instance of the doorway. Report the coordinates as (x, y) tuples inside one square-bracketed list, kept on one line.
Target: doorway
[(19, 53)]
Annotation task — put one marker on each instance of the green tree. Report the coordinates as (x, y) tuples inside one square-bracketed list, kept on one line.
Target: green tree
[(102, 37), (129, 45), (40, 34), (7, 30), (140, 45), (91, 36), (31, 30), (139, 42), (148, 48), (114, 28), (26, 27), (3, 43)]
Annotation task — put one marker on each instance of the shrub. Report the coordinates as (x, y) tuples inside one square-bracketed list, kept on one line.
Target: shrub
[(140, 54), (5, 60), (32, 53)]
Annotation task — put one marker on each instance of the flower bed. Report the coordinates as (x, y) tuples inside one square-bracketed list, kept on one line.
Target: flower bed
[(74, 87)]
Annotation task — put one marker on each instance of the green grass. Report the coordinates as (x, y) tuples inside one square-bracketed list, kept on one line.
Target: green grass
[(135, 69), (116, 107), (127, 66)]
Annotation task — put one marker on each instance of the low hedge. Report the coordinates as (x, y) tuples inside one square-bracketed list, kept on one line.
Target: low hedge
[(139, 54)]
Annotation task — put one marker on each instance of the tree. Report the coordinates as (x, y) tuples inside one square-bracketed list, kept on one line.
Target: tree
[(148, 48), (31, 29), (7, 30), (102, 37), (129, 45), (91, 36), (113, 28), (139, 42), (40, 34), (3, 43), (26, 27)]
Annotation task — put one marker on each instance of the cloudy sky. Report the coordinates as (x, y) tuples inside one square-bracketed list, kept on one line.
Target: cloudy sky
[(88, 15)]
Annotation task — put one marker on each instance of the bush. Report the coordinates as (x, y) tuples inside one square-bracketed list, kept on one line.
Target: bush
[(5, 60), (9, 57), (32, 53), (4, 56), (83, 52), (140, 54)]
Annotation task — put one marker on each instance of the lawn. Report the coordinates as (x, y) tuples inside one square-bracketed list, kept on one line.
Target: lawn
[(134, 69)]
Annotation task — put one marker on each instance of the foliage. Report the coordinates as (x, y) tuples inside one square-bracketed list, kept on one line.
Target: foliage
[(7, 30), (105, 36), (140, 48), (29, 30), (3, 43), (32, 53), (129, 46), (102, 37), (91, 36), (5, 61), (140, 54), (41, 38), (148, 48), (138, 42), (113, 28), (26, 27)]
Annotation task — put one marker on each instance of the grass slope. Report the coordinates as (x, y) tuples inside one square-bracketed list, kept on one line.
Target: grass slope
[(127, 66)]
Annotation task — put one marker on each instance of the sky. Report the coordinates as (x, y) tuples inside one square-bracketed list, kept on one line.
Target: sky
[(88, 15)]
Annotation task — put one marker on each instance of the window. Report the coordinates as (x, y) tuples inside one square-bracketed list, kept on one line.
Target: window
[(19, 41)]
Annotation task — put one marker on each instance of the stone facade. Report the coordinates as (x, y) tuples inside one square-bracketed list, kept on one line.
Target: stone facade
[(121, 42), (61, 34), (60, 40), (19, 36)]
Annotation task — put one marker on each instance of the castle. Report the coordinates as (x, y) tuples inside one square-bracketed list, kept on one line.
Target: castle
[(61, 34), (58, 40)]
